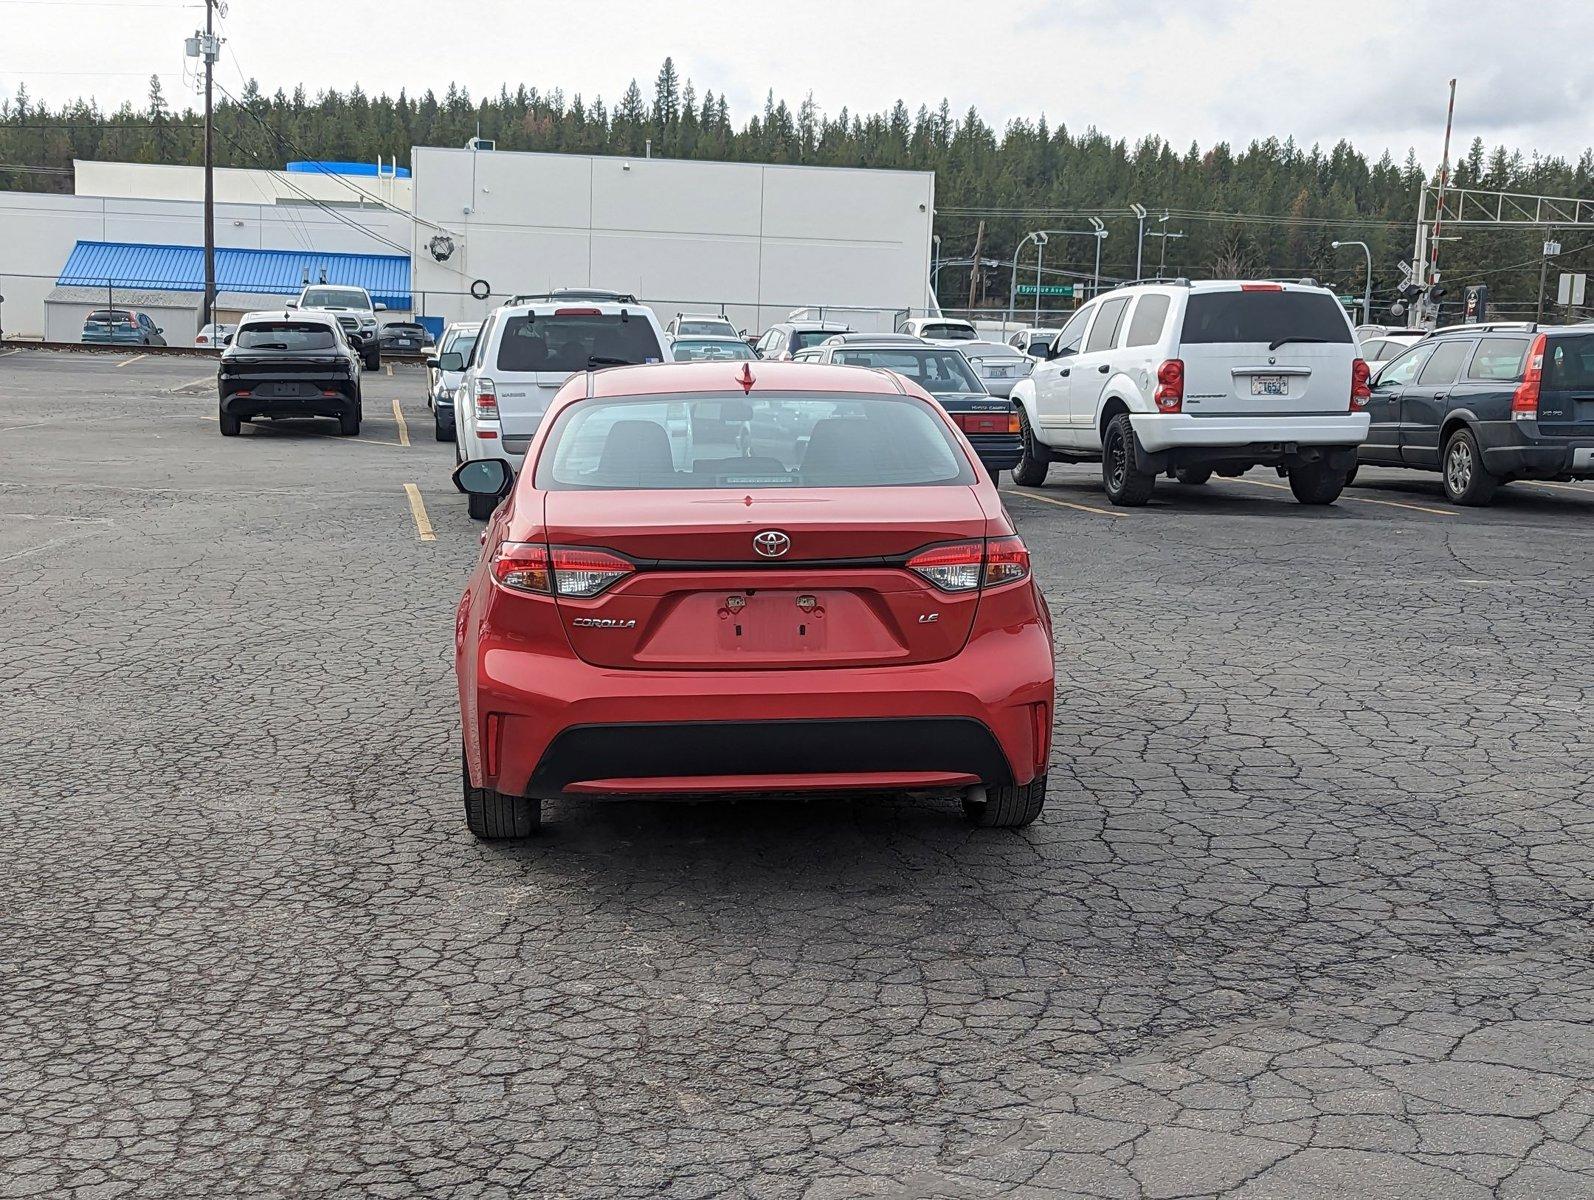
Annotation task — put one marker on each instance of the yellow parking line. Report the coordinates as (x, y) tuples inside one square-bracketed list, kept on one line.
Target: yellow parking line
[(134, 359), (1099, 512), (423, 523), (404, 430), (390, 370), (1284, 487)]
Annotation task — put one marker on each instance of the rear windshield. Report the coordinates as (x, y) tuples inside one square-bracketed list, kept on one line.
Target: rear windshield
[(812, 337), (717, 350), (1569, 362), (773, 441), (949, 332), (335, 297), (936, 371), (106, 317), (705, 328), (1264, 317), (568, 344), (284, 335)]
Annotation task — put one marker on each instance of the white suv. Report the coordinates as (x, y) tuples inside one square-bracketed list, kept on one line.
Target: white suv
[(523, 354), (1196, 378)]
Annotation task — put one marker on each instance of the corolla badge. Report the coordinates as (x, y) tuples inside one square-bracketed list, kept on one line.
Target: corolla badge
[(604, 622), (772, 543)]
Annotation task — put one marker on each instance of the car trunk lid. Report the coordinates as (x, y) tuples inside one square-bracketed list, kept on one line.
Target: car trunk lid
[(829, 589), (1265, 351)]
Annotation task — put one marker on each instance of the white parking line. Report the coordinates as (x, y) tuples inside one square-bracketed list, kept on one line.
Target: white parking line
[(8, 353), (134, 359), (1284, 487)]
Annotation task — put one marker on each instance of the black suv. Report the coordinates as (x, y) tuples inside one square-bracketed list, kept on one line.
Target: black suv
[(1485, 405)]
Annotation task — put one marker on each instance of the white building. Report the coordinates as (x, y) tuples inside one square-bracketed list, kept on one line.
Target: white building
[(752, 240), (354, 185)]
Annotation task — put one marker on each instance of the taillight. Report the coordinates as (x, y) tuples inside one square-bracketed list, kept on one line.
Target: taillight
[(987, 422), (524, 567), (1170, 386), (581, 572), (952, 568), (1361, 392), (1006, 561), (1013, 425), (1525, 400), (965, 566), (562, 570), (486, 400)]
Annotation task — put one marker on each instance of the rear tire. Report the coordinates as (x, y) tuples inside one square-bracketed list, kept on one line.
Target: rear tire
[(492, 816), (439, 431), (1315, 483), (1192, 476), (1467, 482), (230, 425), (1035, 460), (482, 507), (1350, 476), (349, 424), (1126, 486), (1007, 806), (373, 360)]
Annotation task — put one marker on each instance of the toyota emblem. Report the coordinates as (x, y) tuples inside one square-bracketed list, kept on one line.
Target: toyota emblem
[(772, 543)]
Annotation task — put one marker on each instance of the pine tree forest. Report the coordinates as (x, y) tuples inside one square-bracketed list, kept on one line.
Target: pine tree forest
[(1271, 208)]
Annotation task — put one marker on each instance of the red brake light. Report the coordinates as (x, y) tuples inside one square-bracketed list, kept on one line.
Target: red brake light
[(1261, 287), (952, 568), (486, 400), (523, 567), (578, 312), (1525, 400), (1006, 561), (1361, 391), (582, 572), (986, 422), (1170, 386)]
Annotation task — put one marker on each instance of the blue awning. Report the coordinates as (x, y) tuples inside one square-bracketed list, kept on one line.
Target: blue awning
[(262, 272)]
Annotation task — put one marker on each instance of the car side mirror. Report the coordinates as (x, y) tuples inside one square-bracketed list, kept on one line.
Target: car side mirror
[(483, 477), (292, 304), (1055, 351), (452, 361), (378, 307), (226, 339), (431, 361)]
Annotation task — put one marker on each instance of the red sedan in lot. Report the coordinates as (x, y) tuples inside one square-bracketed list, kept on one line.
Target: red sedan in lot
[(760, 577)]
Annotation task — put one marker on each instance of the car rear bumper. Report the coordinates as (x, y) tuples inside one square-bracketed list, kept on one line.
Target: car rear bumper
[(997, 452), (1173, 431), (550, 725), (243, 401), (1541, 459)]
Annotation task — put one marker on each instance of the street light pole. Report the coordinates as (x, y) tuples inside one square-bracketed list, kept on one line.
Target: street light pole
[(1367, 287), (1040, 253), (1162, 258), (1100, 231), (1140, 238), (1035, 235)]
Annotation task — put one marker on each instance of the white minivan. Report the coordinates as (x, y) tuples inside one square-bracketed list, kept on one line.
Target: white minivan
[(524, 353), (1196, 379)]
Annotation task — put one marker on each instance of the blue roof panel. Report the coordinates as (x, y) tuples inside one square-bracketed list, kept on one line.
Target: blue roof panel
[(265, 272)]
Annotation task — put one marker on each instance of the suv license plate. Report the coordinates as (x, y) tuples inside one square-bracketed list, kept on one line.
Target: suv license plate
[(280, 389), (1270, 385)]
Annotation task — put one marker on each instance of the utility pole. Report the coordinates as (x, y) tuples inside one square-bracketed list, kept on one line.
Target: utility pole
[(1444, 179), (1550, 250), (207, 47), (974, 275), (1140, 238), (1162, 257)]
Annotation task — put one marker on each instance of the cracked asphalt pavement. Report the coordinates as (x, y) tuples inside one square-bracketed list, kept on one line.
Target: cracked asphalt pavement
[(1307, 914)]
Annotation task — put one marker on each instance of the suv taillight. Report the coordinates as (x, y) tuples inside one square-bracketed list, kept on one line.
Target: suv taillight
[(574, 571), (1170, 386), (1525, 400), (1361, 392), (486, 400), (965, 566)]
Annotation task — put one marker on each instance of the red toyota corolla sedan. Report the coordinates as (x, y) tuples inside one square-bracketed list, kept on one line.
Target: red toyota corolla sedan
[(749, 577)]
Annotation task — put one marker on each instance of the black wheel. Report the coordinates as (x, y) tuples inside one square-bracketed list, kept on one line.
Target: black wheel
[(481, 507), (1350, 475), (1126, 486), (1007, 806), (1194, 476), (372, 360), (1036, 459), (1467, 482), (441, 432), (349, 424), (492, 816), (230, 426), (1316, 483)]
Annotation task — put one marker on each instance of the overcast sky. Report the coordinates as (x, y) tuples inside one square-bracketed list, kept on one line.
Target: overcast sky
[(1206, 70)]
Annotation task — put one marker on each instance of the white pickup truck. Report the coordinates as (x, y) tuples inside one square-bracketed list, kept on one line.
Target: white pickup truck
[(355, 312)]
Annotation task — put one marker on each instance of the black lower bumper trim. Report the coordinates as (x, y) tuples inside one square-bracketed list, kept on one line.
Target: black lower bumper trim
[(651, 751)]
